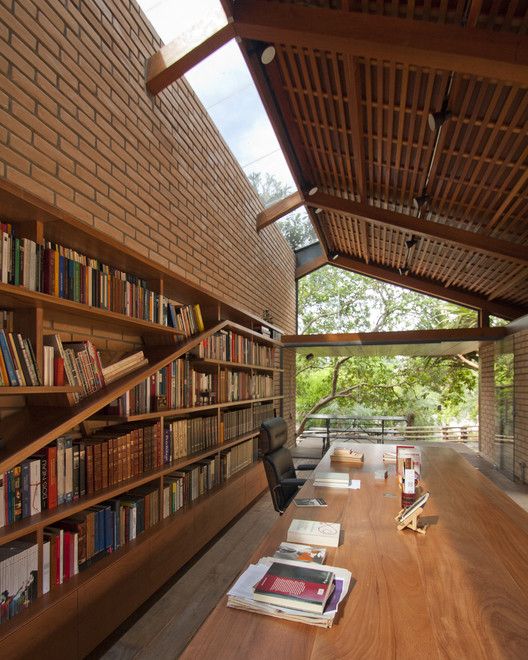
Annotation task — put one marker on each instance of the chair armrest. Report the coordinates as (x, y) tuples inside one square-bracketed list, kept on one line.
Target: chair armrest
[(306, 466), (291, 482)]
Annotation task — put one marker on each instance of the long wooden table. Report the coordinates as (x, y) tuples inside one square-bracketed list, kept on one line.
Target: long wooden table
[(459, 591)]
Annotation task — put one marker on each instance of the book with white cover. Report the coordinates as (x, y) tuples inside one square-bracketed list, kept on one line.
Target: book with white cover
[(314, 532), (336, 477), (332, 479)]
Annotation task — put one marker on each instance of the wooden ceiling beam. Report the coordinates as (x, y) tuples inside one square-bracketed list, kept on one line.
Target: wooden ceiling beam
[(485, 53), (172, 62), (470, 240), (279, 209), (431, 288), (310, 266), (433, 336)]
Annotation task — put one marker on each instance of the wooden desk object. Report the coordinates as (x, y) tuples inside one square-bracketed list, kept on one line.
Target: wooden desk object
[(460, 591)]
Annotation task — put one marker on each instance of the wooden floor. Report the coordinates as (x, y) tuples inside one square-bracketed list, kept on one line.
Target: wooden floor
[(165, 624)]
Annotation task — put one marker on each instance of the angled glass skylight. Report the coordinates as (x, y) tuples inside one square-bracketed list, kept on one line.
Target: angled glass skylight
[(224, 85)]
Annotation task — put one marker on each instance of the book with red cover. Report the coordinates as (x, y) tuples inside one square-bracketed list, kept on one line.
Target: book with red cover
[(295, 587)]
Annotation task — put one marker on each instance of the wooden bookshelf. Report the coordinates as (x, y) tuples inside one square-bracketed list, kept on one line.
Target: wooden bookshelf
[(234, 365), (73, 618), (41, 520), (18, 297), (157, 553), (179, 412), (40, 389)]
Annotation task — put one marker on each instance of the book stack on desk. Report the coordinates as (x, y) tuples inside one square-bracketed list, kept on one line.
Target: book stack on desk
[(291, 590), (348, 456)]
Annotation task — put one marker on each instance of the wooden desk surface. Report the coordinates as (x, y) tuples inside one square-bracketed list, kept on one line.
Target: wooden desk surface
[(459, 591)]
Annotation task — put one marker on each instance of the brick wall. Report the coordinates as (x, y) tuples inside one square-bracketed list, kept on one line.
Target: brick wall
[(487, 403), (487, 400), (520, 344), (78, 129)]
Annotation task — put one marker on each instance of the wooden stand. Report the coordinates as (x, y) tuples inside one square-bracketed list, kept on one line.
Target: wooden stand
[(411, 522)]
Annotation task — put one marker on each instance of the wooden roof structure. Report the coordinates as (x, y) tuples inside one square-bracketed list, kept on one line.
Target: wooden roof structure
[(434, 203)]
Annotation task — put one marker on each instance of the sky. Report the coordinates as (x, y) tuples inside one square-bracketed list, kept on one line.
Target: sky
[(223, 84)]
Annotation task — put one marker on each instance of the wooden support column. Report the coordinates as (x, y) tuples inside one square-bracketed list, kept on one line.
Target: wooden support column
[(483, 318)]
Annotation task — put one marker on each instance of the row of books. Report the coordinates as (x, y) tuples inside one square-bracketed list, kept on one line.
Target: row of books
[(185, 318), (61, 271), (70, 468), (237, 422), (80, 364), (18, 364), (75, 543), (261, 412), (230, 346), (184, 437), (177, 385), (18, 577), (240, 386)]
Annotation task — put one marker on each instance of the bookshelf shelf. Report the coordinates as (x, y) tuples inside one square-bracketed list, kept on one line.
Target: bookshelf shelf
[(18, 297), (178, 412), (41, 520), (42, 389), (235, 365)]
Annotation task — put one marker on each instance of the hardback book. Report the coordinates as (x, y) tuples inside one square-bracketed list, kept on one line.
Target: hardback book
[(298, 552), (314, 532), (296, 587)]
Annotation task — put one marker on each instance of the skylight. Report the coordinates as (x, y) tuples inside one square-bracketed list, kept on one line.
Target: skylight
[(224, 85)]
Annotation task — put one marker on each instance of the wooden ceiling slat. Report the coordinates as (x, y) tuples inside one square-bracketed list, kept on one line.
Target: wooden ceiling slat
[(355, 114), (476, 142), (339, 115), (488, 169), (310, 108), (324, 133), (389, 128), (500, 216), (516, 277)]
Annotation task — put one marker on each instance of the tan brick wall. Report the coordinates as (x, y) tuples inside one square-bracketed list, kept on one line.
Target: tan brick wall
[(487, 403), (78, 129), (487, 400), (520, 347)]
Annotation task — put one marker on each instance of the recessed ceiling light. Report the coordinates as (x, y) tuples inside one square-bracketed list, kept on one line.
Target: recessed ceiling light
[(313, 190), (268, 55)]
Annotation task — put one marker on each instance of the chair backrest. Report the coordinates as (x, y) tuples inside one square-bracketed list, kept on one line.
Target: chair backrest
[(278, 462)]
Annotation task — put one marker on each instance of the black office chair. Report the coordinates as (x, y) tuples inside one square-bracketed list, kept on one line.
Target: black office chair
[(278, 463)]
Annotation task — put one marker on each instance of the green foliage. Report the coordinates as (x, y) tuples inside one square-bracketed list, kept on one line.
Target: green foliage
[(295, 227), (429, 390)]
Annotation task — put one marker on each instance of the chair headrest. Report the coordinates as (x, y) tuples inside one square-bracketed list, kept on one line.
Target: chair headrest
[(273, 434)]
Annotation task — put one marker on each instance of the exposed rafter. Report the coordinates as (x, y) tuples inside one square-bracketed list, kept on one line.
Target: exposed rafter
[(310, 266), (279, 209), (172, 61), (431, 288), (446, 47), (468, 239)]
